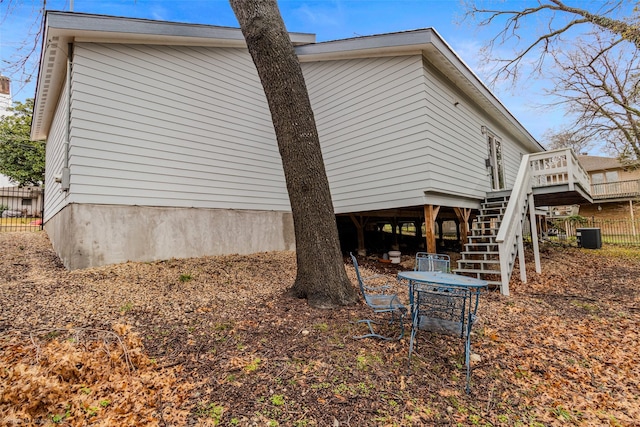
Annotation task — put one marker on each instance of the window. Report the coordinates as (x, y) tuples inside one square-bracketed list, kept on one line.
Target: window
[(496, 162), (26, 202), (597, 178), (604, 177), (611, 176)]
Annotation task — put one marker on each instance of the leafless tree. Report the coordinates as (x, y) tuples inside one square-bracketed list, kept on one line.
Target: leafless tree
[(565, 138), (22, 66), (559, 19), (599, 84), (589, 52), (321, 276)]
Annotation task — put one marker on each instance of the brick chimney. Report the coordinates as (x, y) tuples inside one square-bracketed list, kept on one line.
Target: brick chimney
[(5, 85)]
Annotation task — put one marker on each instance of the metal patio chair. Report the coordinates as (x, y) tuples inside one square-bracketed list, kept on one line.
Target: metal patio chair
[(378, 298), (445, 309), (432, 262)]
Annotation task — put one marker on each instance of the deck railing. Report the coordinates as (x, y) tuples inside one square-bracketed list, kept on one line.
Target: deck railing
[(509, 236), (614, 190), (558, 167), (536, 170)]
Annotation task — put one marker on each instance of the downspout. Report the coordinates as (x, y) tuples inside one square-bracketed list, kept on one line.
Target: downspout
[(66, 175)]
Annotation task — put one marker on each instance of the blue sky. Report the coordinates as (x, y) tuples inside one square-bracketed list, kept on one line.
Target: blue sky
[(328, 19)]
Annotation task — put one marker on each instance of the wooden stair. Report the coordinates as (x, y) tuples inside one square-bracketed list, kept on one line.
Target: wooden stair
[(481, 257)]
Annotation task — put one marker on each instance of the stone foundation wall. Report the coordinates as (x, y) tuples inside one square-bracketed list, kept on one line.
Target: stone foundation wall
[(93, 235)]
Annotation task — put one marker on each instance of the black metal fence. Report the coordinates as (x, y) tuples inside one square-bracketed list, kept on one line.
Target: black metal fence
[(21, 208), (612, 231)]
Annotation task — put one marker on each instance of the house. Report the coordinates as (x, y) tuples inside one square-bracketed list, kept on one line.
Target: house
[(5, 104), (20, 201), (615, 188), (160, 142), (5, 95)]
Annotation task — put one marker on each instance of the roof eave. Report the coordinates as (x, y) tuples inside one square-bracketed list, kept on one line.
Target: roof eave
[(62, 28), (428, 43)]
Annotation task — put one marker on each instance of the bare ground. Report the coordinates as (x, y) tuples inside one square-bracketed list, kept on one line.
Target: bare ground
[(213, 340)]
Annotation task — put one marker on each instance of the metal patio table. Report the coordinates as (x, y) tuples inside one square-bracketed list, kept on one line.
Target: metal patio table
[(443, 303)]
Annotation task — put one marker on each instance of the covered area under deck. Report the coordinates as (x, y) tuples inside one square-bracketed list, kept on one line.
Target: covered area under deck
[(558, 195), (428, 228), (545, 179)]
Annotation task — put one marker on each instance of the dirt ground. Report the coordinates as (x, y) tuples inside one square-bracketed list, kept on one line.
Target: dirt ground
[(214, 341)]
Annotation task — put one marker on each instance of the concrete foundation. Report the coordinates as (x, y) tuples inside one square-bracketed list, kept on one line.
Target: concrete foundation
[(94, 235)]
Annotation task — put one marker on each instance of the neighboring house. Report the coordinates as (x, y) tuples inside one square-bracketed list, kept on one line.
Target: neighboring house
[(5, 103), (615, 189), (160, 142), (21, 201), (5, 95)]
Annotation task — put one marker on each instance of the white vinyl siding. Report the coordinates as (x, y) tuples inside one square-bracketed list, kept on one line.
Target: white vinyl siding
[(370, 118), (458, 148), (512, 153), (172, 126), (190, 127), (54, 197), (392, 128)]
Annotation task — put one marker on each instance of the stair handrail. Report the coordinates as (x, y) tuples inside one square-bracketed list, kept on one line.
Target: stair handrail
[(512, 221)]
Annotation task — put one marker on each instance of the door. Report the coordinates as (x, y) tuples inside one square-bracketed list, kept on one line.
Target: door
[(496, 163)]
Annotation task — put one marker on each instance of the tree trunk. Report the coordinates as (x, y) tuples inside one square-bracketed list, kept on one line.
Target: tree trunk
[(321, 276)]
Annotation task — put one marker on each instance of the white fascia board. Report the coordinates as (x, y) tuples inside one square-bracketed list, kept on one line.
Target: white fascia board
[(450, 199), (402, 43), (133, 30)]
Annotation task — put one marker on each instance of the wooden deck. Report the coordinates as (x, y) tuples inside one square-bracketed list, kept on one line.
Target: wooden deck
[(558, 179), (620, 190)]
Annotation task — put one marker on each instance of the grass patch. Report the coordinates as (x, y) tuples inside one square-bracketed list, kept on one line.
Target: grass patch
[(212, 411), (624, 252)]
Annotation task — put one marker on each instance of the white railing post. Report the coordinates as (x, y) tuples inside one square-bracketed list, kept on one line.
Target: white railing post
[(504, 271), (534, 233), (511, 227), (572, 167), (523, 265)]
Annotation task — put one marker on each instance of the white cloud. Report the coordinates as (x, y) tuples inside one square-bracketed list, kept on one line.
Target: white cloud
[(323, 14)]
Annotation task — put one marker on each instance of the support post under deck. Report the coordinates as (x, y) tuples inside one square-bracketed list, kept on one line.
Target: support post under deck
[(359, 223), (463, 215), (430, 215)]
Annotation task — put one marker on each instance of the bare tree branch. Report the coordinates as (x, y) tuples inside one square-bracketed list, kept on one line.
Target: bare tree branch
[(595, 79), (598, 85), (560, 18), (568, 138), (22, 66)]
